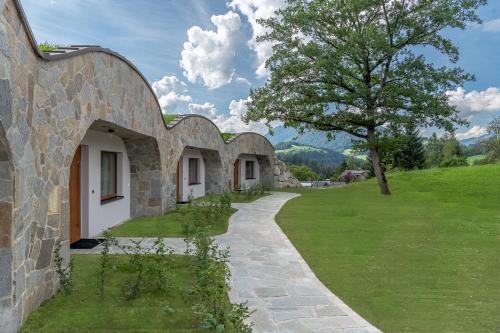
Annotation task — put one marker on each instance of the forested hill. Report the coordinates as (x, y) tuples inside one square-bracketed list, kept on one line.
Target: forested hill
[(320, 160)]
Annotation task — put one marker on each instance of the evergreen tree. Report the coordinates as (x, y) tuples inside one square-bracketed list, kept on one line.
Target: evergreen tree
[(433, 151), (412, 153)]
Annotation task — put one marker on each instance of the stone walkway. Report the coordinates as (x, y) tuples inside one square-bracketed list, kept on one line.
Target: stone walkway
[(269, 273)]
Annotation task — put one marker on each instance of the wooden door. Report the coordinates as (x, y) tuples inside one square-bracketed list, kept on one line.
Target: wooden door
[(74, 197), (178, 182), (236, 175)]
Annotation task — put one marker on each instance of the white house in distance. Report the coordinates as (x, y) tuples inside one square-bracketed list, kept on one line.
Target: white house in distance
[(246, 171)]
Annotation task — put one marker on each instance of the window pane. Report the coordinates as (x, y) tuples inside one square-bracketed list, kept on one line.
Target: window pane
[(108, 174), (193, 171), (249, 170)]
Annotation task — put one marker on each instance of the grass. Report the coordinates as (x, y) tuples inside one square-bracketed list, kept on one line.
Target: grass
[(168, 225), (236, 197), (82, 311), (472, 159), (169, 117), (425, 259), (227, 136), (47, 47)]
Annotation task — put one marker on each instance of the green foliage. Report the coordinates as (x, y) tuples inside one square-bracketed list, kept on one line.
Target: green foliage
[(63, 272), (211, 286), (302, 172), (354, 66), (322, 161), (47, 47), (154, 311), (105, 261), (227, 136), (169, 225), (412, 151), (444, 152), (418, 254), (169, 117)]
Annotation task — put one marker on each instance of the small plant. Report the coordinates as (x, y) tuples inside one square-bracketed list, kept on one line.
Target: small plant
[(105, 261), (47, 47), (137, 259), (211, 287), (161, 266), (64, 273)]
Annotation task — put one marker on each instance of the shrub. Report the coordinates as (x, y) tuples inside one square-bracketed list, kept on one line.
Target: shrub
[(63, 273)]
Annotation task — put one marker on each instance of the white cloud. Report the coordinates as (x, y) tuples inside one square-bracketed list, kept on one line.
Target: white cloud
[(254, 10), (469, 103), (172, 94), (492, 26), (206, 109), (241, 79), (234, 124), (474, 132), (209, 55), (231, 123)]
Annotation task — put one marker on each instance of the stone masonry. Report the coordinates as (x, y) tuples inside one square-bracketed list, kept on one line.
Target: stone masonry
[(48, 101)]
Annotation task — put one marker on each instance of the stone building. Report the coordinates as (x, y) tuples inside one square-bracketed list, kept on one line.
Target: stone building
[(83, 146)]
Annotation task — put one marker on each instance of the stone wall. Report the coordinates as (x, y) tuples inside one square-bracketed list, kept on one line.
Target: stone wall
[(283, 178), (47, 104)]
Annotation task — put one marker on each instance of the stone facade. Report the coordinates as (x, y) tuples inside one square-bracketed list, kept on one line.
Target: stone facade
[(283, 178), (48, 102)]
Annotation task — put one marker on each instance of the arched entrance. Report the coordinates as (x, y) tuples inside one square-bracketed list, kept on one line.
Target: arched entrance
[(115, 175), (199, 172), (6, 209)]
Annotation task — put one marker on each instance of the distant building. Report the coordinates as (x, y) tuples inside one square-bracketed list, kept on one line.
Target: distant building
[(349, 176)]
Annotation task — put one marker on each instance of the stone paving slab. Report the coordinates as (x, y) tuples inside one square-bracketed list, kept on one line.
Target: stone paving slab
[(270, 274)]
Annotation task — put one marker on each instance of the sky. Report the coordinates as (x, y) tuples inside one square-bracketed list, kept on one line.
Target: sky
[(201, 56)]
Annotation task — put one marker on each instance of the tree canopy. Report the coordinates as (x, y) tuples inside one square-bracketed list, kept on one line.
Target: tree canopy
[(356, 65)]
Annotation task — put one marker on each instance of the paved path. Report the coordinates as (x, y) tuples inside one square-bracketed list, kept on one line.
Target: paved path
[(269, 273)]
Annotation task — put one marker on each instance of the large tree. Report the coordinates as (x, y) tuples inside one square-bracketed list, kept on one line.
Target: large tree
[(356, 65)]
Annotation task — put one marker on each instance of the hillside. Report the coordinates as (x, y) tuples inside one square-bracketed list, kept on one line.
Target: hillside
[(320, 160)]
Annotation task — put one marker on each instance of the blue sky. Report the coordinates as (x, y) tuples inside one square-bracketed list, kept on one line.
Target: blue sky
[(201, 56)]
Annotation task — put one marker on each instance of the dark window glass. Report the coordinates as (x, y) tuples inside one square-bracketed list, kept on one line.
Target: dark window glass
[(249, 170), (193, 171), (108, 175)]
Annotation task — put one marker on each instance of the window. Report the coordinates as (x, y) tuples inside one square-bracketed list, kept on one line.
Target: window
[(108, 175), (249, 170), (193, 171)]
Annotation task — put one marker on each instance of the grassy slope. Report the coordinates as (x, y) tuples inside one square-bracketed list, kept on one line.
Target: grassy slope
[(82, 311), (426, 259), (296, 148), (472, 159), (168, 225)]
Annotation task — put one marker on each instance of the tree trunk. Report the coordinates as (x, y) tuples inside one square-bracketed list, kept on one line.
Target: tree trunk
[(377, 167)]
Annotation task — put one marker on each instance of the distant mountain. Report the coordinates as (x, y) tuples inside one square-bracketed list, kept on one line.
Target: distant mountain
[(319, 139), (471, 141), (320, 160)]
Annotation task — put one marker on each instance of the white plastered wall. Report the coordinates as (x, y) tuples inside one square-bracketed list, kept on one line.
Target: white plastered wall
[(244, 182), (96, 216), (196, 190)]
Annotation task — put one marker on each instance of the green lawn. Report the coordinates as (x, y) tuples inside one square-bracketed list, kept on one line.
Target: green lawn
[(236, 197), (82, 311), (426, 259), (168, 225)]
